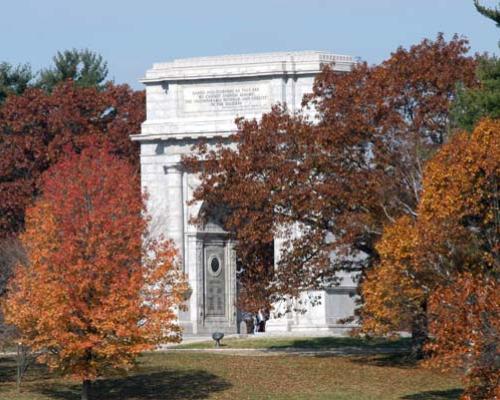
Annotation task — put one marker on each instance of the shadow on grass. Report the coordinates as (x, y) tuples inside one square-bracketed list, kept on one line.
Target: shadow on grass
[(394, 360), (172, 385), (8, 370), (332, 342), (450, 394), (309, 343)]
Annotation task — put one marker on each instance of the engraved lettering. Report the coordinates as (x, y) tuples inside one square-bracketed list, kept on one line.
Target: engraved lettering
[(220, 99)]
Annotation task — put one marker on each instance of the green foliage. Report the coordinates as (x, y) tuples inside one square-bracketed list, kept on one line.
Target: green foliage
[(84, 67), (483, 101), (14, 80), (493, 14), (472, 104)]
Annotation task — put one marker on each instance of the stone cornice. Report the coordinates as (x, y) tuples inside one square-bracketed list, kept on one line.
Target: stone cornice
[(246, 65), (181, 136)]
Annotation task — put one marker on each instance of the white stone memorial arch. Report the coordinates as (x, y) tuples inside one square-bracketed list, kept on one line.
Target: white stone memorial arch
[(195, 98)]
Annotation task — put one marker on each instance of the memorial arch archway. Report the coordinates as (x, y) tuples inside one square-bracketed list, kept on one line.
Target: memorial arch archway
[(217, 274)]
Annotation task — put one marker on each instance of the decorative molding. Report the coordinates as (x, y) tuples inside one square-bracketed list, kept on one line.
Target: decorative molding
[(246, 65), (220, 134)]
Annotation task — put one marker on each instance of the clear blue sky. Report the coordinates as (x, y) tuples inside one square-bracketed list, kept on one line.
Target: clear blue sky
[(132, 34)]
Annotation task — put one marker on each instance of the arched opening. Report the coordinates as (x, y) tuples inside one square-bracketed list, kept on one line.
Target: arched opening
[(235, 275), (216, 270), (254, 274)]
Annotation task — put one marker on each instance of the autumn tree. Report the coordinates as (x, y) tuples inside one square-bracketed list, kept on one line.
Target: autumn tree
[(448, 259), (394, 292), (84, 67), (327, 185), (466, 324), (36, 129), (93, 294), (11, 253), (460, 215)]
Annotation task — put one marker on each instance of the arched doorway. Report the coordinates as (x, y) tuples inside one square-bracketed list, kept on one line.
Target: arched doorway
[(216, 270)]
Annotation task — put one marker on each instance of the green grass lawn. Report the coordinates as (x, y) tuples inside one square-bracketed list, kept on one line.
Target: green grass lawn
[(313, 343), (191, 375)]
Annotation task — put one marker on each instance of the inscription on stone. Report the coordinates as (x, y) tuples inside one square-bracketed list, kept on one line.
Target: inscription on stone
[(215, 283), (212, 98), (215, 298)]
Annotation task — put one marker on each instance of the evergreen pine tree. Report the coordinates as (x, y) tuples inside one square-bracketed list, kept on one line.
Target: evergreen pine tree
[(484, 101), (472, 104), (14, 80), (493, 14), (84, 67)]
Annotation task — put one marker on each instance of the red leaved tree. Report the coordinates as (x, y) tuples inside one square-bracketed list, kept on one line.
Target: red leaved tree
[(96, 290), (36, 128), (327, 186)]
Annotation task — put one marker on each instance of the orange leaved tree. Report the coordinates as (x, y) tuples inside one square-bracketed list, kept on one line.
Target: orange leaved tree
[(394, 299), (444, 267), (465, 323), (460, 239), (96, 291)]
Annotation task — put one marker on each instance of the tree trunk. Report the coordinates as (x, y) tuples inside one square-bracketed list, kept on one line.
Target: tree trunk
[(86, 389), (23, 362), (419, 333), (19, 368)]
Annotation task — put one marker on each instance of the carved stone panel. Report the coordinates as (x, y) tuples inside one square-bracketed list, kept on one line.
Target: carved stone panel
[(224, 98), (215, 281)]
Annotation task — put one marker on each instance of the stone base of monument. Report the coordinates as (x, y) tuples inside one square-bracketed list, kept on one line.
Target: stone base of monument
[(323, 315)]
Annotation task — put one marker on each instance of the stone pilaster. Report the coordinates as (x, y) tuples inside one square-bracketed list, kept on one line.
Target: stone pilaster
[(174, 206)]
